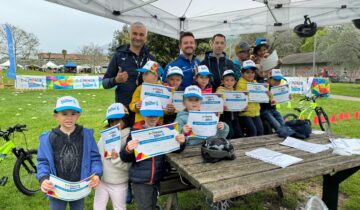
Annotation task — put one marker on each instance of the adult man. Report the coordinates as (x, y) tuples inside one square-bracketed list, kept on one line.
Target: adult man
[(122, 67), (186, 60), (217, 62), (242, 51)]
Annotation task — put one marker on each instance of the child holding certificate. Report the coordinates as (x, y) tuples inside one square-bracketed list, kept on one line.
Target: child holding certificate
[(268, 110), (174, 78), (114, 182), (68, 152), (151, 72), (230, 118), (145, 175), (192, 101), (202, 79), (250, 119)]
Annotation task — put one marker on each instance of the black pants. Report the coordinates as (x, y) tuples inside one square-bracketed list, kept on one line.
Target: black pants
[(252, 125), (232, 120), (145, 195)]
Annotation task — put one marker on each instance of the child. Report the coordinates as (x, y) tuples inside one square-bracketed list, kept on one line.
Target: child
[(230, 118), (268, 111), (192, 101), (174, 79), (69, 152), (202, 79), (151, 72), (249, 119), (145, 175), (114, 182)]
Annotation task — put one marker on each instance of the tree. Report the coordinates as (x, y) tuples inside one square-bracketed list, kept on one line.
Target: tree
[(94, 53), (64, 52), (25, 44)]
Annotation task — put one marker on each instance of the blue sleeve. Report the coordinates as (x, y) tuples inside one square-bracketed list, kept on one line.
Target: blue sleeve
[(125, 155), (43, 167), (96, 164), (111, 72)]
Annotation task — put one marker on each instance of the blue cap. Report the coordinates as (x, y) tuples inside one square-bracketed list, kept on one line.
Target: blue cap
[(151, 107), (67, 103), (260, 41), (193, 91), (203, 70)]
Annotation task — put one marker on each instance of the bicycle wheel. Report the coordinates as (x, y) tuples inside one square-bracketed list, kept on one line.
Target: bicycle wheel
[(24, 173), (324, 121), (290, 116)]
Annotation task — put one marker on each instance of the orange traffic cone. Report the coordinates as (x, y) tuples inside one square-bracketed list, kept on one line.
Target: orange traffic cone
[(356, 115), (316, 120), (333, 118), (347, 116), (341, 116), (322, 118)]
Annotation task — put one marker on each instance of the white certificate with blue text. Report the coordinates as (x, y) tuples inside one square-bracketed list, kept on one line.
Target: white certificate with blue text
[(212, 102), (164, 94), (258, 92), (203, 124), (235, 101)]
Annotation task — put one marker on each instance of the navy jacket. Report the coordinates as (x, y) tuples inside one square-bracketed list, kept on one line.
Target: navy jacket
[(217, 68), (148, 171), (129, 62), (186, 66)]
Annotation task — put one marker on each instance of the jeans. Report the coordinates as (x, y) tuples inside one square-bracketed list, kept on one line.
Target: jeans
[(273, 117), (56, 204), (231, 119), (252, 125), (145, 195)]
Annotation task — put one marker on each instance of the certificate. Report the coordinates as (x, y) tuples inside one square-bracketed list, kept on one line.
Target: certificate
[(270, 62), (111, 139), (159, 91), (156, 141), (178, 101), (258, 92), (212, 102), (203, 124), (69, 191), (235, 101), (280, 94)]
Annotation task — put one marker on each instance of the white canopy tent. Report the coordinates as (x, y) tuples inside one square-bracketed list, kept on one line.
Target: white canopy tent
[(6, 64), (231, 17), (50, 65)]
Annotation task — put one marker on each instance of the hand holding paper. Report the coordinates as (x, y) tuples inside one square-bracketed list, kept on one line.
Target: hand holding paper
[(46, 186)]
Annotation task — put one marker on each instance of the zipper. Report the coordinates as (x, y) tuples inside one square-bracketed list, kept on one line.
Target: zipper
[(152, 170)]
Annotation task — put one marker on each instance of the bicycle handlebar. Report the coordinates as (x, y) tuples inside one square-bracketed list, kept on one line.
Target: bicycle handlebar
[(312, 98), (18, 128)]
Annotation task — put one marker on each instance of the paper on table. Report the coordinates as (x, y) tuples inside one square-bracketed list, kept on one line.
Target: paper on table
[(270, 62), (317, 132), (270, 156), (303, 145), (351, 146)]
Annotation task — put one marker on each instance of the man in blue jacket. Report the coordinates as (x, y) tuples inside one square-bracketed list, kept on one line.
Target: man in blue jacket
[(217, 61), (121, 71), (187, 59)]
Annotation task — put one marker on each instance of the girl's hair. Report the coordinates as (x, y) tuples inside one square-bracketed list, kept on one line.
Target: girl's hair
[(197, 84), (125, 119)]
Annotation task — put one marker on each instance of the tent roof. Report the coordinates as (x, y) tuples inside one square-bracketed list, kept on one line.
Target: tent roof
[(303, 58), (207, 17), (5, 64), (51, 65), (70, 65)]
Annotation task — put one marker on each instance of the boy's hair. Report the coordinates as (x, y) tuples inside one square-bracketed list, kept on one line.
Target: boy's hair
[(184, 34), (126, 119), (218, 35)]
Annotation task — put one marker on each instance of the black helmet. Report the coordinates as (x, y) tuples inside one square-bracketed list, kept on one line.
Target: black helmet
[(215, 149), (308, 29)]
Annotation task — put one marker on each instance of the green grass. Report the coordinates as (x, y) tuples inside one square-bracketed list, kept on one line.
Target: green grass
[(34, 108), (345, 89)]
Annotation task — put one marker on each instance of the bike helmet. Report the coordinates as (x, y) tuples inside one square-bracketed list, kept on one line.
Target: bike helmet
[(215, 149), (308, 29), (356, 23)]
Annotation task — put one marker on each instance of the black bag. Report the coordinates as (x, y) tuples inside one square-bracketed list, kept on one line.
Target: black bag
[(302, 128)]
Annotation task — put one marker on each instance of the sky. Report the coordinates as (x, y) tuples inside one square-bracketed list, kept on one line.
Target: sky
[(57, 27)]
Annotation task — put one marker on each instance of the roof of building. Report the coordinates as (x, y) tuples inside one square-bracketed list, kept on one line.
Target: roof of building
[(303, 58)]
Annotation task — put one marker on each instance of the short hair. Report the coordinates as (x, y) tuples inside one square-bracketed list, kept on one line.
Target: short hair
[(218, 35), (184, 34), (138, 24)]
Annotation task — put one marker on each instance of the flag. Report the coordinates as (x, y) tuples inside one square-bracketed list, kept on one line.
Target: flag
[(11, 73)]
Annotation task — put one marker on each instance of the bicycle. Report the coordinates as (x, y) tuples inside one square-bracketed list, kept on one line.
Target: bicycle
[(305, 113), (24, 170)]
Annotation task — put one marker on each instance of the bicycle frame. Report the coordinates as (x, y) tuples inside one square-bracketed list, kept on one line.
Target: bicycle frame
[(310, 110), (6, 148)]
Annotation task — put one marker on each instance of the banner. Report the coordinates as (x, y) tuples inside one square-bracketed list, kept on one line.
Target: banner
[(86, 82), (11, 72), (30, 82), (258, 92), (60, 82), (203, 124), (212, 102), (156, 141), (235, 101), (178, 101), (296, 84), (280, 94), (159, 91)]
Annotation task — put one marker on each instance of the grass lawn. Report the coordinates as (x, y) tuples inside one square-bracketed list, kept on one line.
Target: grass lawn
[(345, 89), (34, 108)]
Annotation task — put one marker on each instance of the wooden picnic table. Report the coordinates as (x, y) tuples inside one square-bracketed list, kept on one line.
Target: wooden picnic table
[(229, 179)]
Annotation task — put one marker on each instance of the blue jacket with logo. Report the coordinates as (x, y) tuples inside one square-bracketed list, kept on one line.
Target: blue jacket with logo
[(91, 160), (129, 62), (186, 66)]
